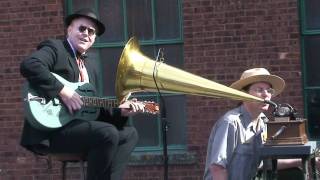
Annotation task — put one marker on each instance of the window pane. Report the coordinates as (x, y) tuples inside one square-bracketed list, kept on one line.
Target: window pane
[(167, 19), (94, 54), (172, 54), (79, 4), (147, 126), (139, 19), (110, 59), (175, 106), (313, 104), (312, 60), (111, 15), (312, 14)]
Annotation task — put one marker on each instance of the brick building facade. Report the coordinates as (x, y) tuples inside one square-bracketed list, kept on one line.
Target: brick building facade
[(221, 39)]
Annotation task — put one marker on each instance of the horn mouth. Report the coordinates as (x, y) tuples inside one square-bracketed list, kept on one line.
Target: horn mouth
[(123, 68)]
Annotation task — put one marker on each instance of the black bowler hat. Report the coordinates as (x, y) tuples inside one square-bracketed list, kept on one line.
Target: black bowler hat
[(86, 13)]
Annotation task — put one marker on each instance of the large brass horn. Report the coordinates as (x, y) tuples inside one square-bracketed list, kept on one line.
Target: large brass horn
[(135, 73)]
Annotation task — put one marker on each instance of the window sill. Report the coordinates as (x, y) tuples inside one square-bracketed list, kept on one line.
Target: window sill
[(156, 158)]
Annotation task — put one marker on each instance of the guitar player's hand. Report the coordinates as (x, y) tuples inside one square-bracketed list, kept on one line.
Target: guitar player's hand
[(132, 107), (71, 99)]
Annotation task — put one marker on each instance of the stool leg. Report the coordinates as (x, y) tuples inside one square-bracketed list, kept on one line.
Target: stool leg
[(49, 163), (274, 169), (63, 169), (82, 176), (313, 168), (305, 168)]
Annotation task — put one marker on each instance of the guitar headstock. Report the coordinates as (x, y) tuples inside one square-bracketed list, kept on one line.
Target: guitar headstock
[(151, 107), (148, 106)]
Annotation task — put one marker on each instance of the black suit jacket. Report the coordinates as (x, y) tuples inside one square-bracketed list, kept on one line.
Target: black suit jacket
[(54, 56)]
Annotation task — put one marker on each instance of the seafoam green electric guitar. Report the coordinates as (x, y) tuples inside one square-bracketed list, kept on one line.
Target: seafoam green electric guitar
[(52, 114)]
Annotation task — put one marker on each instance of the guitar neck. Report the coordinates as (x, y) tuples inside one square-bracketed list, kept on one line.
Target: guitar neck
[(99, 102)]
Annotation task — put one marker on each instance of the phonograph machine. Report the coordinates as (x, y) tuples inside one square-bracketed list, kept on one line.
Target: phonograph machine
[(286, 128)]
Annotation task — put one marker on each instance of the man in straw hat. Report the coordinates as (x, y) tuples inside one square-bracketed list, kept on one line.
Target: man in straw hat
[(232, 152), (107, 147)]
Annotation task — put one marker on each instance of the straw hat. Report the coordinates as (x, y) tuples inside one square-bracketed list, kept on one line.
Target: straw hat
[(87, 13), (259, 75)]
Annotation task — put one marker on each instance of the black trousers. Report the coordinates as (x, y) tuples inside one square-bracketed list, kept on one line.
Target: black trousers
[(108, 149)]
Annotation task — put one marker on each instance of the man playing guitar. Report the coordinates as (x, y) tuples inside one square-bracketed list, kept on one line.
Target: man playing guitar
[(107, 146)]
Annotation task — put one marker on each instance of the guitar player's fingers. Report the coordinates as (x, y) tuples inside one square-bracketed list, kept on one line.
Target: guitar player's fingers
[(130, 108), (125, 105), (137, 107), (132, 105), (71, 99)]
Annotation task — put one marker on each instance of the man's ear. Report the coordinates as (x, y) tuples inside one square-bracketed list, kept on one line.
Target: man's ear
[(69, 29)]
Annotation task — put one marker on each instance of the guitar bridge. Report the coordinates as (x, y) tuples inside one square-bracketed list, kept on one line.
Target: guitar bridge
[(35, 98)]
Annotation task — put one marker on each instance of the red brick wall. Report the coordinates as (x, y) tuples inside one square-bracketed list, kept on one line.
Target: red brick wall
[(23, 25), (222, 38)]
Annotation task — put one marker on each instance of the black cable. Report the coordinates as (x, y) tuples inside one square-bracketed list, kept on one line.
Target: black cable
[(164, 122), (163, 111)]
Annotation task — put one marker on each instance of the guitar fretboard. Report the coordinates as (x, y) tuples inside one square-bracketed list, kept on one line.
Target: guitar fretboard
[(99, 102)]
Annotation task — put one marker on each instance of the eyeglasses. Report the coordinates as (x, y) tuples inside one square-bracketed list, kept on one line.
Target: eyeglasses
[(259, 90), (91, 31)]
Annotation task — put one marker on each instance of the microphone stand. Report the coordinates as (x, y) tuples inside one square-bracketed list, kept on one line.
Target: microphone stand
[(165, 127), (163, 116)]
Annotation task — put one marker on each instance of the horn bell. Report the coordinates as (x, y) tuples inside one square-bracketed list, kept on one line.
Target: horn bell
[(135, 74)]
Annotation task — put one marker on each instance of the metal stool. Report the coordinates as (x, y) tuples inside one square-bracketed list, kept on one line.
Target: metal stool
[(68, 158)]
